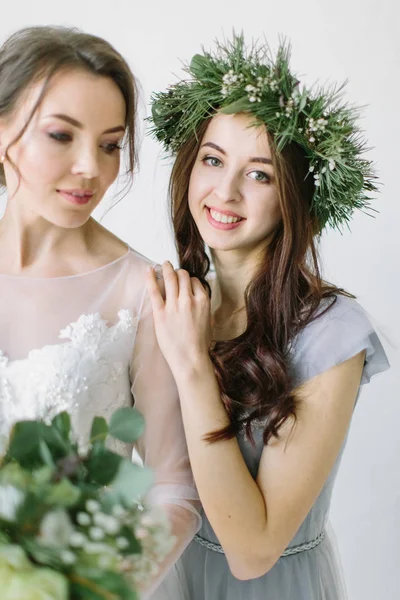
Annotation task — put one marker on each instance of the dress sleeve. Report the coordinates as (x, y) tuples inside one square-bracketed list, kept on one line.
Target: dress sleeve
[(336, 335), (163, 445)]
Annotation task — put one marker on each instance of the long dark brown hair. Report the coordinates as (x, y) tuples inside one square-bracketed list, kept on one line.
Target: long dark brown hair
[(253, 369), (37, 54)]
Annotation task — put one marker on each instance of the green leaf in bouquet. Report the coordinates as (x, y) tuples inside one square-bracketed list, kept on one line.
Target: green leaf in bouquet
[(97, 584), (134, 547), (4, 538), (102, 464), (42, 476), (131, 482), (64, 494), (43, 554), (53, 435), (62, 423), (14, 474), (46, 454), (30, 513), (99, 431), (24, 443), (126, 424)]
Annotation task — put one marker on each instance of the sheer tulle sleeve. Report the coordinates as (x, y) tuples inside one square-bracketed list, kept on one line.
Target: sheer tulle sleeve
[(163, 446)]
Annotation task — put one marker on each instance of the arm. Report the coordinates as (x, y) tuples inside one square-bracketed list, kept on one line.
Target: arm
[(254, 520), (163, 446)]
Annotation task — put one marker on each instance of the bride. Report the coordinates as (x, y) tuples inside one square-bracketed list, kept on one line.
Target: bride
[(76, 328)]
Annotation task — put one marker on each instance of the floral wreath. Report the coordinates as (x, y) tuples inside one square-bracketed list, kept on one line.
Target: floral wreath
[(236, 79)]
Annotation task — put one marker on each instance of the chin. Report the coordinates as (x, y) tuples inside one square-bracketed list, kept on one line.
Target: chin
[(69, 221)]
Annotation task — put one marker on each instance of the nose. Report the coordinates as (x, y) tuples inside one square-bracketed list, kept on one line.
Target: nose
[(227, 188), (86, 162)]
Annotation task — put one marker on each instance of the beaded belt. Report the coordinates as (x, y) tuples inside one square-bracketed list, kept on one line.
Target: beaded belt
[(288, 552)]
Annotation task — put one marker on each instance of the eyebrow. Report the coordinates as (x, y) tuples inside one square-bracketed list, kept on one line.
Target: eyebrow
[(76, 123), (256, 159)]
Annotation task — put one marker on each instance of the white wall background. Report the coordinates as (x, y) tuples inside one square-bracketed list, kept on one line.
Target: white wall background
[(355, 39)]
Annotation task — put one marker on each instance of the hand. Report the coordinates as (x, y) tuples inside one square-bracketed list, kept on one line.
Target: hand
[(182, 319)]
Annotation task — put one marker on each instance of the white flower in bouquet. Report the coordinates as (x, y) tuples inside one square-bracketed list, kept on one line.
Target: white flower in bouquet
[(154, 532), (10, 499), (56, 529)]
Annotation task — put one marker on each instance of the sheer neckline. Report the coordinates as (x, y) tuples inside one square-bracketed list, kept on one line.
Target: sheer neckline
[(65, 277)]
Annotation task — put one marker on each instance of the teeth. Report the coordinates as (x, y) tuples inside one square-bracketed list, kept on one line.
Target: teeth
[(223, 218)]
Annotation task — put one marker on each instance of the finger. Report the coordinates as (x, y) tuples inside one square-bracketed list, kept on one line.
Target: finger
[(198, 288), (170, 281), (185, 286), (156, 299)]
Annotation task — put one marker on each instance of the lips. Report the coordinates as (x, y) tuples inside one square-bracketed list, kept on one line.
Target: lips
[(224, 220), (77, 196)]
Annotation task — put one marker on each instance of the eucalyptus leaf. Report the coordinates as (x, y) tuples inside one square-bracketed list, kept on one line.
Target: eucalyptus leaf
[(24, 443), (62, 422), (46, 454), (64, 494), (14, 474), (131, 482), (30, 513), (102, 464), (42, 476), (99, 430), (126, 424), (59, 446)]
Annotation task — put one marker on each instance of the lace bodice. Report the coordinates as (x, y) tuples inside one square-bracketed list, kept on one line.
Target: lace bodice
[(85, 373)]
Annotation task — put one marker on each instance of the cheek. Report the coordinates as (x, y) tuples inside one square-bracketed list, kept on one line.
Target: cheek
[(269, 205), (267, 211), (111, 169), (40, 162), (199, 188)]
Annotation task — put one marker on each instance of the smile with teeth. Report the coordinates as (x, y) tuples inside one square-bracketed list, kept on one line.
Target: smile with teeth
[(223, 218)]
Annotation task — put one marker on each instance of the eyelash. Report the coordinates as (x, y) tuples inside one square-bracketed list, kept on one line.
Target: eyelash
[(208, 158), (64, 138)]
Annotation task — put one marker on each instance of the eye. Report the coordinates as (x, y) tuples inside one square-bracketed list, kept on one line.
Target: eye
[(110, 148), (260, 176), (212, 161), (60, 137)]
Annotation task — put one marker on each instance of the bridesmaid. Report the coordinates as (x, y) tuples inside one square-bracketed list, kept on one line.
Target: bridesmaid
[(270, 369)]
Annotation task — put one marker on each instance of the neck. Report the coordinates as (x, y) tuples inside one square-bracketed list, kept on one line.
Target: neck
[(30, 243), (234, 272)]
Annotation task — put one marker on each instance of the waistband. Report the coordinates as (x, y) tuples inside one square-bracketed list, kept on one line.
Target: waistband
[(288, 552)]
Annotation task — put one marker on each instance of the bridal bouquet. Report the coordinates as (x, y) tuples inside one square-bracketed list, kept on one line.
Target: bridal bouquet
[(72, 524)]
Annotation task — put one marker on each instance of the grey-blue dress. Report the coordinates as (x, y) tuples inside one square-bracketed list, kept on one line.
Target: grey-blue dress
[(309, 570)]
